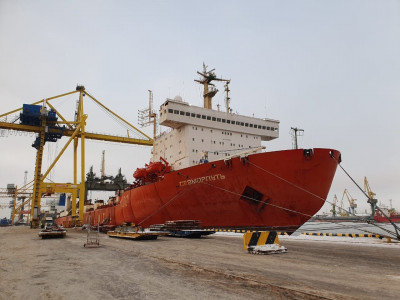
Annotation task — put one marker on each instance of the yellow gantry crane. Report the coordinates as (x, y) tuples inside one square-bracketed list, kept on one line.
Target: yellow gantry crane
[(41, 117), (351, 200)]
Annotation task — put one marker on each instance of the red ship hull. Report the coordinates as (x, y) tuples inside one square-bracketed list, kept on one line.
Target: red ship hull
[(273, 190)]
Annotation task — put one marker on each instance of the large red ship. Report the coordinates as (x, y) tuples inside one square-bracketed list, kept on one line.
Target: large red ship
[(210, 167)]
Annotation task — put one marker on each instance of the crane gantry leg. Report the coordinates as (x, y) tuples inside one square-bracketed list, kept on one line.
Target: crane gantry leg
[(35, 207)]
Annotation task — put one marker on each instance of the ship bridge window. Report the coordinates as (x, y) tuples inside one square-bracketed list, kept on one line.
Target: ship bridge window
[(208, 118), (214, 118), (170, 110), (176, 112), (188, 114), (182, 113), (192, 115), (203, 117)]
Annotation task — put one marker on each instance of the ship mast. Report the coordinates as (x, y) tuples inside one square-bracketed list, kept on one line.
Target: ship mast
[(227, 98), (209, 88), (295, 133), (148, 116)]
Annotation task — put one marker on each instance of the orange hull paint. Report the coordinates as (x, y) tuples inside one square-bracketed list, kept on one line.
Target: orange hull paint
[(274, 190)]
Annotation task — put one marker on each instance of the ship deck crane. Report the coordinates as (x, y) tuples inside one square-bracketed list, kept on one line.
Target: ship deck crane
[(46, 124), (351, 200)]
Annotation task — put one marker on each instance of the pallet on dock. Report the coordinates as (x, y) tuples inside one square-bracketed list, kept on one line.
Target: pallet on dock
[(135, 235), (182, 228), (190, 233), (52, 232)]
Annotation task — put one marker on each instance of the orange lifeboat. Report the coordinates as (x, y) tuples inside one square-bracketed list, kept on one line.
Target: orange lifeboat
[(140, 173), (154, 167)]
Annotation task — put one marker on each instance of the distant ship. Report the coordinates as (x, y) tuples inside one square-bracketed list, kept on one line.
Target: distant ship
[(210, 166), (391, 213)]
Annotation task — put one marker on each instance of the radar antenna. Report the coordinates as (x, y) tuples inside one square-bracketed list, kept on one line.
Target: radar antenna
[(209, 88)]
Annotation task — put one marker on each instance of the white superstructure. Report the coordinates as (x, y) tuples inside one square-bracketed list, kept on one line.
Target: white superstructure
[(202, 134)]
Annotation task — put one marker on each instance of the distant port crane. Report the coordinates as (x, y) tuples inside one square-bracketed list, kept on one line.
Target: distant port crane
[(333, 210), (351, 200), (371, 196)]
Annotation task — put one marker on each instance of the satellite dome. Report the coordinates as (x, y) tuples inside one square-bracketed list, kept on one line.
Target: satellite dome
[(178, 98)]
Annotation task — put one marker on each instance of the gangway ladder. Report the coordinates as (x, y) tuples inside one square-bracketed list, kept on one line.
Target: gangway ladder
[(92, 239)]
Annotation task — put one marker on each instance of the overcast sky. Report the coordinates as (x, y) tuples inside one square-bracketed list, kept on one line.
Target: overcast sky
[(331, 68)]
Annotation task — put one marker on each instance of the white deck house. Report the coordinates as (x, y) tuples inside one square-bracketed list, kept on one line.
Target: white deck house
[(198, 133)]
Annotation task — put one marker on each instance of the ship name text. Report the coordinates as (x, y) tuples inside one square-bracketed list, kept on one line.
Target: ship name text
[(202, 179)]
